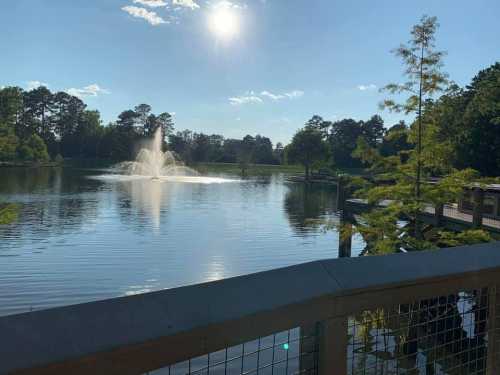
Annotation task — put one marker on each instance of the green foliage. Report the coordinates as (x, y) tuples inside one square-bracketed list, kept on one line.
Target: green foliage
[(8, 213), (402, 188), (10, 107), (67, 128), (392, 194), (33, 149), (467, 237), (198, 147), (11, 101), (307, 148), (8, 147), (467, 122), (422, 68), (343, 135), (424, 79), (396, 140)]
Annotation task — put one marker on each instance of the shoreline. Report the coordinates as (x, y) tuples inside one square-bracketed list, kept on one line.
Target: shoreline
[(29, 164)]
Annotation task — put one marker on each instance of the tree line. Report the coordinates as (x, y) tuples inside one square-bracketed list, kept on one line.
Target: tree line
[(39, 125), (326, 144), (195, 147), (454, 145), (463, 125)]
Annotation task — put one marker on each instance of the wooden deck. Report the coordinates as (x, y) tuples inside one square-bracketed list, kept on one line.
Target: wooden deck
[(452, 218)]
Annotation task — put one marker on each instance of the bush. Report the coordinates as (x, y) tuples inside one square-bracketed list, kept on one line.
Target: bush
[(33, 149), (8, 146)]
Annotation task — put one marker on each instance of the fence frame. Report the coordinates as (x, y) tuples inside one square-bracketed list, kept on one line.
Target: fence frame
[(137, 334)]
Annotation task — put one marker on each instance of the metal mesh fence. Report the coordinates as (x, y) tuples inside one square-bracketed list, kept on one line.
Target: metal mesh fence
[(491, 222), (446, 335), (289, 352), (451, 211)]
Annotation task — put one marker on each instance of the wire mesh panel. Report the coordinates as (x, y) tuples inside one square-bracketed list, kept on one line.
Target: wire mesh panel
[(491, 222), (452, 211), (289, 352), (446, 335)]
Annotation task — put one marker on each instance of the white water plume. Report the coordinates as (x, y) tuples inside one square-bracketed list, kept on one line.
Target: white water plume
[(154, 164), (151, 161)]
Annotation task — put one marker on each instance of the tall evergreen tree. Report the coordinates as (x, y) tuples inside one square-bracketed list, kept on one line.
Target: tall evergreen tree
[(424, 79)]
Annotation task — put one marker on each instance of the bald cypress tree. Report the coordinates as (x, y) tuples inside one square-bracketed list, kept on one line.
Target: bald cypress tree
[(424, 78)]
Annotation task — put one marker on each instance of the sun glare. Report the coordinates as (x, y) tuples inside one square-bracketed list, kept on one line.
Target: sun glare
[(224, 21)]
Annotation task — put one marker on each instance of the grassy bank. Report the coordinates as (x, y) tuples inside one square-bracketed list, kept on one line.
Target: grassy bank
[(263, 169), (253, 169), (29, 164)]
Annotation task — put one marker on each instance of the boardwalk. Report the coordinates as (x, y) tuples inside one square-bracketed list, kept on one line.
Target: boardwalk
[(453, 218)]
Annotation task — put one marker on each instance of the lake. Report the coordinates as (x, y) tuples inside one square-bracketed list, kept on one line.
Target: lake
[(80, 237)]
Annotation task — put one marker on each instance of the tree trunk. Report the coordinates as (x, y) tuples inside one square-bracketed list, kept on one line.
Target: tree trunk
[(418, 229), (307, 172)]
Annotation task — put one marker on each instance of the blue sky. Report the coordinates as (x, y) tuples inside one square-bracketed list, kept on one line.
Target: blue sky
[(288, 59)]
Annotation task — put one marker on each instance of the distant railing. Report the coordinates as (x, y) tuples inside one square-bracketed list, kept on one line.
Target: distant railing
[(418, 313), (479, 207)]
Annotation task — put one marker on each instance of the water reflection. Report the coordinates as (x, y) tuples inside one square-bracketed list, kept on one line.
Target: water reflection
[(80, 239), (303, 203), (143, 200), (19, 181), (51, 203)]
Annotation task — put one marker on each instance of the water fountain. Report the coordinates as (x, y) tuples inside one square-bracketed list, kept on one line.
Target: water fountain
[(154, 164)]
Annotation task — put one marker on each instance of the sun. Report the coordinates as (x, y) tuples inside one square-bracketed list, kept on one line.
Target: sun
[(224, 21)]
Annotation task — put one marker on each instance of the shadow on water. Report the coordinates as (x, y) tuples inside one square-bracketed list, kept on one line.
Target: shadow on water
[(304, 203), (51, 201)]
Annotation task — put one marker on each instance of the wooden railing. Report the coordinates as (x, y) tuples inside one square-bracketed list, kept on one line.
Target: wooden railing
[(138, 334)]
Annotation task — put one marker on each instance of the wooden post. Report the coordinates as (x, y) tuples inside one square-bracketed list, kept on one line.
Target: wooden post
[(438, 214), (493, 358), (345, 241), (332, 347), (307, 345), (477, 213), (340, 194)]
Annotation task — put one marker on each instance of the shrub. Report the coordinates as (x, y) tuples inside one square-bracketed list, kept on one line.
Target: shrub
[(33, 149), (8, 146)]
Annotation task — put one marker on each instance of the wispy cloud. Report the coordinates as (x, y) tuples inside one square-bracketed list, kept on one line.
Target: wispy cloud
[(152, 17), (248, 98), (252, 97), (90, 90), (294, 94), (30, 85), (186, 4), (151, 3), (272, 96), (286, 95), (228, 4), (371, 86)]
